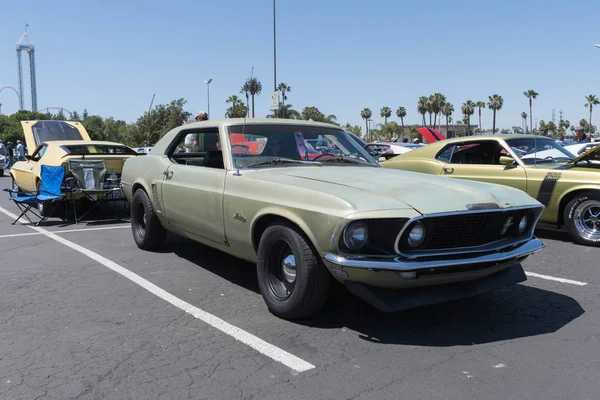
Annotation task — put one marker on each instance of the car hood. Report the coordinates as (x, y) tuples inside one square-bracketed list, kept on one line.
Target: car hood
[(39, 131), (369, 189)]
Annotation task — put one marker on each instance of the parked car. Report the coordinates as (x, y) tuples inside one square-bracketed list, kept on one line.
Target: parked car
[(580, 148), (142, 150), (3, 163), (411, 241), (386, 150), (54, 143), (567, 185)]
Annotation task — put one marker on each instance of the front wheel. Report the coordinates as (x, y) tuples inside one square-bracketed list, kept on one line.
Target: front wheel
[(292, 278), (148, 232), (582, 218)]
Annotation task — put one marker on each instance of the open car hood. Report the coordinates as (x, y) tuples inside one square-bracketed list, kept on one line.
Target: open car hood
[(40, 131), (586, 155)]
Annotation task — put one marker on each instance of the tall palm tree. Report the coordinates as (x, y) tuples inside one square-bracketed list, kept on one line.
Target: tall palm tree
[(246, 91), (237, 109), (447, 111), (524, 116), (366, 114), (401, 113), (422, 105), (385, 113), (591, 102), (254, 87), (468, 109), (495, 103), (437, 102), (284, 88), (480, 105), (531, 94), (430, 109)]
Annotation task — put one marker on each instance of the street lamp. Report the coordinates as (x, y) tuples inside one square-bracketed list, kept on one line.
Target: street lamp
[(208, 96)]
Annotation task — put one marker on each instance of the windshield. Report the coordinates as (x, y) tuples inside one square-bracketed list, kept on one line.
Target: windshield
[(54, 130), (533, 151), (293, 145), (97, 149)]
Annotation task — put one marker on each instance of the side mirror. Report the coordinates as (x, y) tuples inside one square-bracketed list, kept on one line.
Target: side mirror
[(506, 160)]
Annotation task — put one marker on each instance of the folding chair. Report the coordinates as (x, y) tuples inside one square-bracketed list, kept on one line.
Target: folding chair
[(28, 202), (90, 176)]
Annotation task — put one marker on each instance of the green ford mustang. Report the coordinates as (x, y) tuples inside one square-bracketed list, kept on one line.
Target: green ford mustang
[(307, 204)]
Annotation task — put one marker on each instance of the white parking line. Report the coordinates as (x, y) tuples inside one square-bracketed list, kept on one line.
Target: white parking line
[(552, 278), (65, 230), (267, 349)]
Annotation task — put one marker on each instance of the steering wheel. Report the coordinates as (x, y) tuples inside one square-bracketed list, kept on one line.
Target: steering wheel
[(549, 158), (241, 145), (323, 155)]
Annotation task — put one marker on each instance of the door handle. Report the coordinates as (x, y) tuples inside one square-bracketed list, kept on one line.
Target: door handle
[(448, 170)]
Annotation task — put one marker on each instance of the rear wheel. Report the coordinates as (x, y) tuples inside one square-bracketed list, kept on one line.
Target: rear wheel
[(582, 217), (44, 210), (292, 278), (1, 172), (148, 232)]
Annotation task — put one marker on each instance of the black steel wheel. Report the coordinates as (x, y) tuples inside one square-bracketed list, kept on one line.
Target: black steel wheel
[(147, 230), (292, 278)]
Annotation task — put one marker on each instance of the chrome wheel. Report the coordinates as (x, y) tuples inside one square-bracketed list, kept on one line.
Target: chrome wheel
[(587, 219), (282, 270)]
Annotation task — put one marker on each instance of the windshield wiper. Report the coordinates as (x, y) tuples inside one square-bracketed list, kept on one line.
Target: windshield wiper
[(284, 161), (350, 160)]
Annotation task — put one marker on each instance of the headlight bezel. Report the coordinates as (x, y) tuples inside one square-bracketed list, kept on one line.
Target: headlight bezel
[(382, 235), (347, 235)]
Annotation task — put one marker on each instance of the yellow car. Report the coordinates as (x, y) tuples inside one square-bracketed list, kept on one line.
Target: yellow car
[(55, 142), (568, 185)]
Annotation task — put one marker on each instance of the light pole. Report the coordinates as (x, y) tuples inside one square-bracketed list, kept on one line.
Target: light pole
[(274, 52), (208, 96)]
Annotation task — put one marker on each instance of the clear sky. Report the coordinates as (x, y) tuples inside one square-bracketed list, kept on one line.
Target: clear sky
[(340, 56)]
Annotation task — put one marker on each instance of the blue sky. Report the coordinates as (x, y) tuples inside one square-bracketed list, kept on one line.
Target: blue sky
[(340, 56)]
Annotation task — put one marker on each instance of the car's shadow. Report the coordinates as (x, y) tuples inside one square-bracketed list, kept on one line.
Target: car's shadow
[(552, 233), (509, 313)]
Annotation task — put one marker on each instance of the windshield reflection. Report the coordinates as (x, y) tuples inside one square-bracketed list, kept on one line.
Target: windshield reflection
[(254, 146), (533, 151)]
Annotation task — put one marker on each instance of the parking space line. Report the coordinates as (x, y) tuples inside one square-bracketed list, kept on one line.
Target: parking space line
[(66, 231), (263, 347), (552, 278)]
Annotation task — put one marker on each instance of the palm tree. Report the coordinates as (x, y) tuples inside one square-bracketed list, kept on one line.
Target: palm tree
[(524, 116), (468, 109), (284, 88), (285, 111), (480, 105), (237, 109), (385, 113), (437, 102), (422, 107), (401, 113), (447, 111), (591, 102), (254, 87), (430, 109), (246, 91), (495, 103), (366, 114), (531, 94)]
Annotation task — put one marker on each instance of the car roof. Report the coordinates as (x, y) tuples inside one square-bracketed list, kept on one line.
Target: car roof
[(261, 121)]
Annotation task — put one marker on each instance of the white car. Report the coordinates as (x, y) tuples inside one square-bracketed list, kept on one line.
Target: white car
[(386, 150), (142, 150), (581, 148)]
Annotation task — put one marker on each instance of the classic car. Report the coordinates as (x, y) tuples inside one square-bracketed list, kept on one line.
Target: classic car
[(384, 151), (580, 148), (54, 144), (568, 185), (413, 241)]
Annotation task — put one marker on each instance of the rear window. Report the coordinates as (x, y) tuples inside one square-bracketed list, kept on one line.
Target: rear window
[(98, 149), (54, 130)]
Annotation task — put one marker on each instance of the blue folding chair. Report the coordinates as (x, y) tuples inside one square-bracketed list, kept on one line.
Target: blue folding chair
[(28, 202)]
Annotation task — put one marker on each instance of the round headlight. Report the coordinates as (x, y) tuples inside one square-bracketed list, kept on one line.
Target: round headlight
[(416, 235), (523, 224), (356, 235)]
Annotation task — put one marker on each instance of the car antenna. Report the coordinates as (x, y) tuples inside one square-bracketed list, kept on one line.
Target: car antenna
[(237, 173)]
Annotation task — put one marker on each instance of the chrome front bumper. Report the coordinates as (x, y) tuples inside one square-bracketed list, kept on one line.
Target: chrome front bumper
[(400, 264)]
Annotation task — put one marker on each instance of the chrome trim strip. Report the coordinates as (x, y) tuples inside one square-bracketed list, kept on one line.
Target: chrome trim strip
[(440, 252), (399, 264)]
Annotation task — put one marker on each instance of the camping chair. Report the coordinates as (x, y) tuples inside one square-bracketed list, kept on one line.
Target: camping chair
[(28, 202), (90, 175)]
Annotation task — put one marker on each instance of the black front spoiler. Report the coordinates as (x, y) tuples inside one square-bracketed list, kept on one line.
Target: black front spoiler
[(390, 300)]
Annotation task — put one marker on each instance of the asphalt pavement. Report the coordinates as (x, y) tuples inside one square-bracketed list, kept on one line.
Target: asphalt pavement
[(85, 314)]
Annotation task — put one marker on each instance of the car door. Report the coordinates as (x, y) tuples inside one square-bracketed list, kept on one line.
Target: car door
[(481, 161), (192, 192), (26, 172)]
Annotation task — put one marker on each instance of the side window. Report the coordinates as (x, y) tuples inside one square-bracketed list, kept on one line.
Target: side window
[(198, 148), (485, 152), (446, 154), (39, 153)]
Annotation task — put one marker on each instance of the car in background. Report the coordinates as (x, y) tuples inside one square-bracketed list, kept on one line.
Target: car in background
[(305, 222), (54, 144), (581, 148), (3, 163), (386, 150), (142, 150), (568, 185)]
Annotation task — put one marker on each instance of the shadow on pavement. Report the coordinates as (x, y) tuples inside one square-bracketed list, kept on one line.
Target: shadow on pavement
[(549, 232), (505, 314)]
